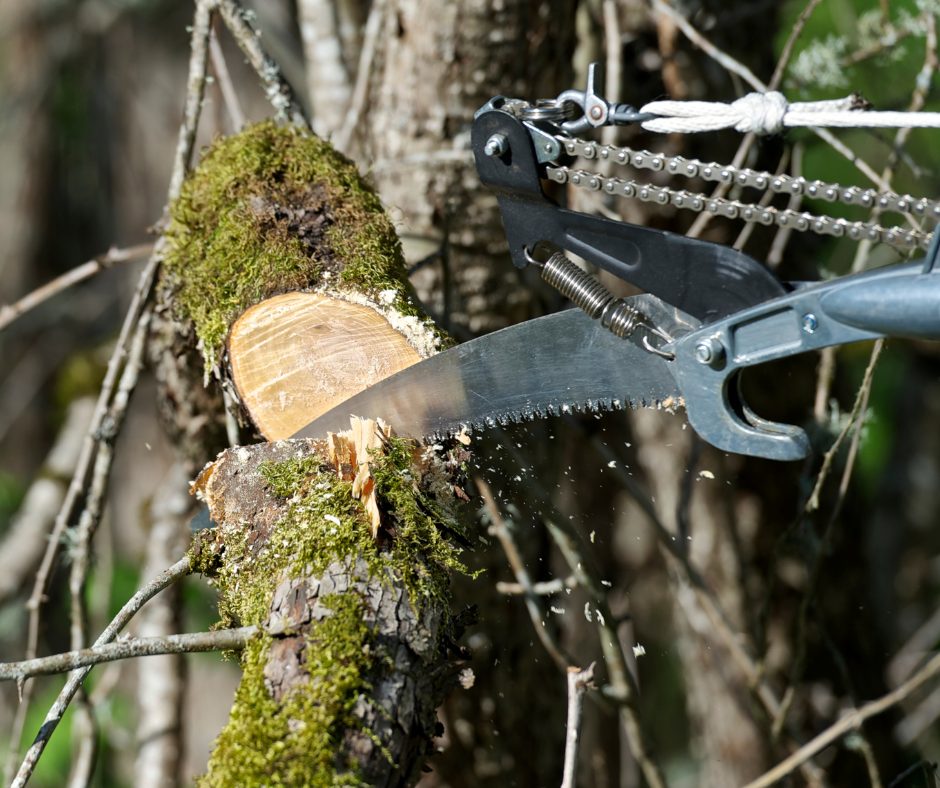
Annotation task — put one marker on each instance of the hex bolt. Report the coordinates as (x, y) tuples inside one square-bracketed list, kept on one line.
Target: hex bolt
[(709, 351), (497, 145), (810, 323)]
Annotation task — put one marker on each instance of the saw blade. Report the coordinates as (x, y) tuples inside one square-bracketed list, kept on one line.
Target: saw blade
[(561, 363)]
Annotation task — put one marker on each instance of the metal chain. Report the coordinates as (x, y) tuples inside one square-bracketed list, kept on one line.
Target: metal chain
[(736, 209)]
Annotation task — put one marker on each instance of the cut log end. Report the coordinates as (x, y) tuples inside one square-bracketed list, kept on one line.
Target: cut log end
[(295, 356)]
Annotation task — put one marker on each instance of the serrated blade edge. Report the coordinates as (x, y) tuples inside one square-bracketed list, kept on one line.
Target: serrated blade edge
[(565, 362)]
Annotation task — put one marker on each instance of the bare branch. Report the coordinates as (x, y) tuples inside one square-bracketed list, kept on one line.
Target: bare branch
[(579, 682), (813, 502), (180, 569), (782, 236), (532, 602), (720, 57), (850, 722), (10, 312), (276, 87), (787, 52), (127, 648), (232, 103), (195, 90), (363, 75)]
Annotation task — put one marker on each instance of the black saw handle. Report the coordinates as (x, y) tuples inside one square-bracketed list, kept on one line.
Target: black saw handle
[(705, 280)]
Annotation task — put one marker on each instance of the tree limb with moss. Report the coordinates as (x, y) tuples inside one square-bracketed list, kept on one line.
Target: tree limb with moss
[(284, 285)]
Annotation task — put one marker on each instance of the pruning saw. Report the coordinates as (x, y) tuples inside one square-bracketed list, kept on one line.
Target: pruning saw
[(707, 312)]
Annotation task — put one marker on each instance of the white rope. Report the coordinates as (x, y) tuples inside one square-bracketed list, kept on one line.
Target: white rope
[(770, 113)]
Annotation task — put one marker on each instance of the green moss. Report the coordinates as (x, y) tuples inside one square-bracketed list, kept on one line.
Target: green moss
[(271, 210), (296, 741)]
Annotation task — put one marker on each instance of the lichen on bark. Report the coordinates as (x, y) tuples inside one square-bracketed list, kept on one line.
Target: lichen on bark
[(341, 685)]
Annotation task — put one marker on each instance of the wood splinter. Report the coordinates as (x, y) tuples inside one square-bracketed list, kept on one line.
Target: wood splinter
[(351, 452)]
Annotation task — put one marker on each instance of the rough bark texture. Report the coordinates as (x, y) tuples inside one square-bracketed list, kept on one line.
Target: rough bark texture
[(436, 64), (341, 686)]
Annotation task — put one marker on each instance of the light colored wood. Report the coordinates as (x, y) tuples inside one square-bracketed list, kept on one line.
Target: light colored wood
[(354, 449), (295, 356)]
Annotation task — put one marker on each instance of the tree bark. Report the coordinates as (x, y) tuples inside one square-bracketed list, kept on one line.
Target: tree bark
[(281, 264), (342, 685)]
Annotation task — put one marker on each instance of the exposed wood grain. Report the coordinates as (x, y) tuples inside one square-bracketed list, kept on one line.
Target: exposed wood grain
[(297, 355)]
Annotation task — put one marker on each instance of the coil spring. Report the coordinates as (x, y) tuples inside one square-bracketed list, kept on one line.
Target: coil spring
[(615, 314)]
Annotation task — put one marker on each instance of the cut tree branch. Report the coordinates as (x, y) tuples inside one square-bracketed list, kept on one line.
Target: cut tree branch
[(579, 682)]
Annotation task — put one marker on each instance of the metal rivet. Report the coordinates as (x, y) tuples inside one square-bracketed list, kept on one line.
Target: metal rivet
[(709, 351), (497, 145), (810, 324)]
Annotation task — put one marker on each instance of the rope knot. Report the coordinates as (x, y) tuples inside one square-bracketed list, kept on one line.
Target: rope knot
[(761, 113)]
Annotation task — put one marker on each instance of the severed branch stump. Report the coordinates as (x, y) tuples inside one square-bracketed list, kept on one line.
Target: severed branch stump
[(284, 287), (341, 686)]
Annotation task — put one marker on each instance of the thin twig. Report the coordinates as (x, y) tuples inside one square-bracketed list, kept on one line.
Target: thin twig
[(579, 682), (195, 91), (229, 95), (799, 661), (787, 51), (276, 87), (720, 57), (360, 92), (852, 721), (622, 689), (812, 503), (782, 236), (126, 648), (180, 569), (764, 201), (532, 602), (10, 312), (613, 44)]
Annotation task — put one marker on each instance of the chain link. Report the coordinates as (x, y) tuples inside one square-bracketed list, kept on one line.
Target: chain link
[(735, 209)]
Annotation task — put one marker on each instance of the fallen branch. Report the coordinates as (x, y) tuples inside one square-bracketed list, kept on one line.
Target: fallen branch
[(127, 648), (579, 682)]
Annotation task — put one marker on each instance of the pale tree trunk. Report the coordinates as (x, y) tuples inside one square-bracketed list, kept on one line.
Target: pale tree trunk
[(728, 745), (435, 65), (161, 679)]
